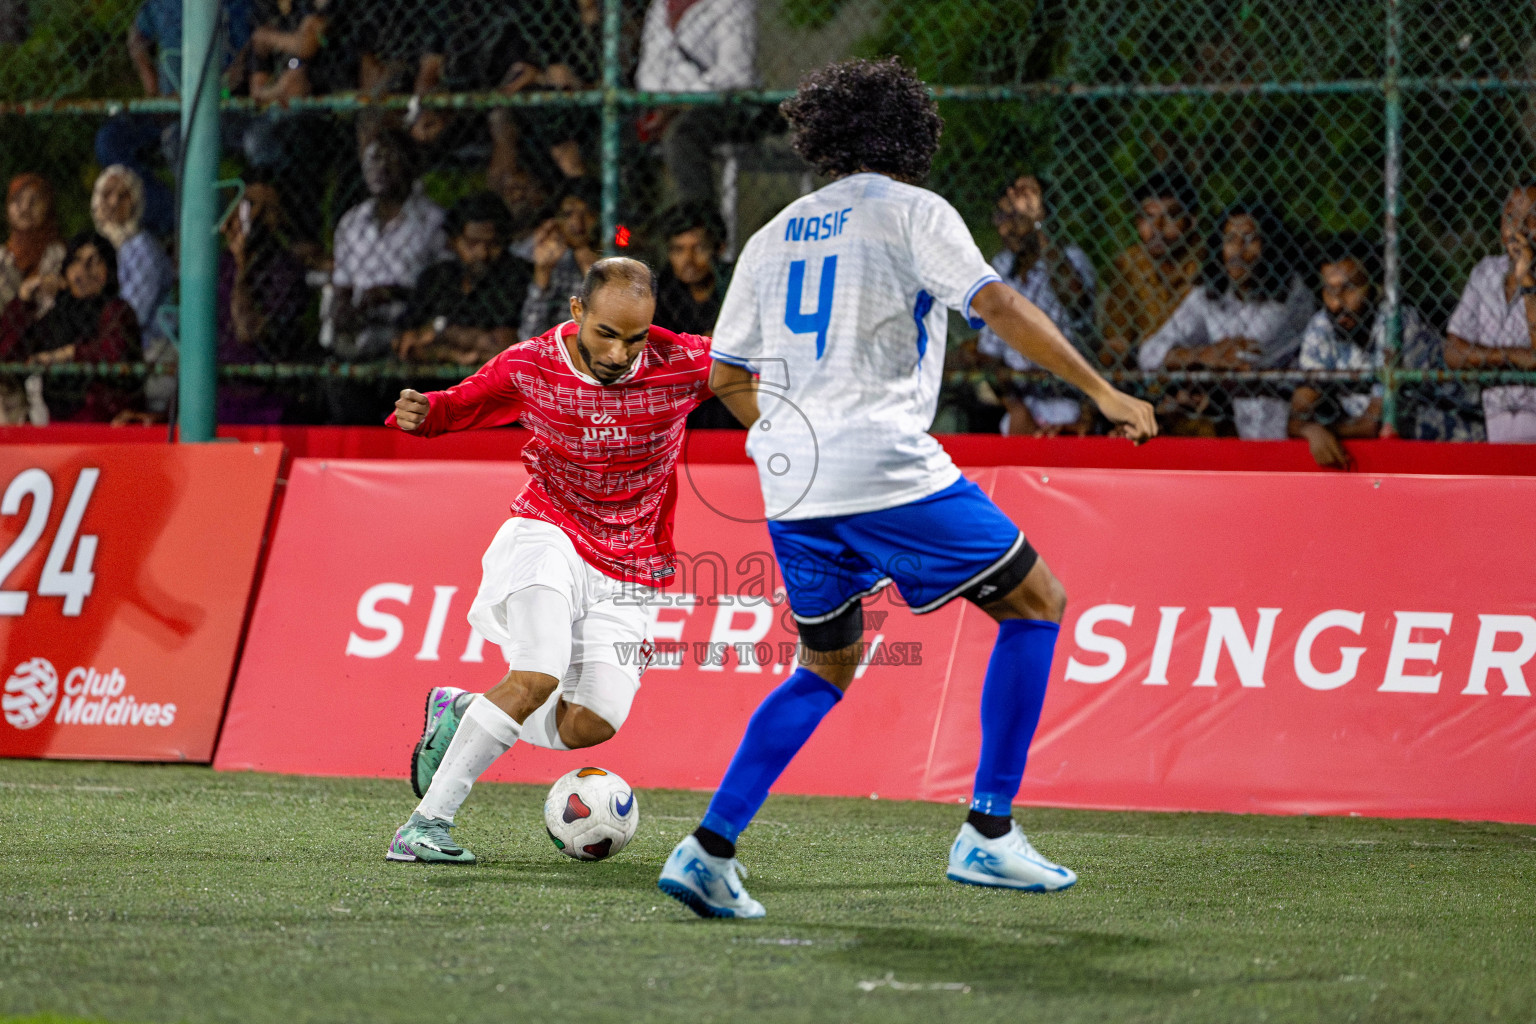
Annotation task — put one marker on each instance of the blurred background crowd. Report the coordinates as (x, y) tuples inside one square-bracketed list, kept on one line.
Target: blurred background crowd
[(1196, 192)]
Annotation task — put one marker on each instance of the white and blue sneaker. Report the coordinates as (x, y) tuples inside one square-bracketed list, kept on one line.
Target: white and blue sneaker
[(708, 886), (1007, 862)]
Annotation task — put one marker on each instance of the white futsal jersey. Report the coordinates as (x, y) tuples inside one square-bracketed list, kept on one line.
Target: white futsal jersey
[(840, 304)]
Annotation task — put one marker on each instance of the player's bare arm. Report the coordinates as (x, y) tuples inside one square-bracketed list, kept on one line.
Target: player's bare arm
[(411, 410), (737, 388), (1029, 331)]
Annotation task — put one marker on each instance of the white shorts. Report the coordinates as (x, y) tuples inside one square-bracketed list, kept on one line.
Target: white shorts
[(610, 619)]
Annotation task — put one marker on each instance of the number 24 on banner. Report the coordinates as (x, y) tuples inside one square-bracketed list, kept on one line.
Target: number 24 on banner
[(74, 584)]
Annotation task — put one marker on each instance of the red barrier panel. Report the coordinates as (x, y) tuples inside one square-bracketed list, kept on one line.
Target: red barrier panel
[(1279, 644), (125, 578), (1177, 683), (362, 607), (725, 446)]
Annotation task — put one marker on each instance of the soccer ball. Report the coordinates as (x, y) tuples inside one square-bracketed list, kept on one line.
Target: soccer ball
[(590, 814)]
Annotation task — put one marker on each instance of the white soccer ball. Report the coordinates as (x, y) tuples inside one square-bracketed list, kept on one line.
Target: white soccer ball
[(591, 813)]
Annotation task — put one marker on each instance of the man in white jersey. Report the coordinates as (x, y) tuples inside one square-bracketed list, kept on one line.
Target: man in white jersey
[(830, 348)]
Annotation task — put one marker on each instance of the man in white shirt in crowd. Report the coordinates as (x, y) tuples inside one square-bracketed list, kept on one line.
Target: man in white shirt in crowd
[(382, 246), (1350, 333), (1494, 326), (1060, 280), (1249, 314), (698, 46)]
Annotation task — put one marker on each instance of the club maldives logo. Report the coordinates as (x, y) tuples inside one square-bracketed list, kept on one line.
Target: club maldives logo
[(30, 693), (90, 698)]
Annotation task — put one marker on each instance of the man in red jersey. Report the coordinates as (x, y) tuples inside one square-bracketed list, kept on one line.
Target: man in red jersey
[(567, 578)]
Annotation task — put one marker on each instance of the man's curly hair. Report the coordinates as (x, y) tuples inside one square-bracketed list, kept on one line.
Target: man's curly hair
[(859, 115)]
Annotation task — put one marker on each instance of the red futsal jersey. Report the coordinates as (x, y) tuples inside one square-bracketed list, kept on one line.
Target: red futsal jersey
[(603, 458)]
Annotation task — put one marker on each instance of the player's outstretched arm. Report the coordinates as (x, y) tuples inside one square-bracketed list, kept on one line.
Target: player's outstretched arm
[(1023, 326), (737, 388), (411, 410), (487, 398)]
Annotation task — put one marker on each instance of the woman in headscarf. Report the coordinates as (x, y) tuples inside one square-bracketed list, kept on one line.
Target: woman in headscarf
[(34, 248), (117, 206), (86, 322)]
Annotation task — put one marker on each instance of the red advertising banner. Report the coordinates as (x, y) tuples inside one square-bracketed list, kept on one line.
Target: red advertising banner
[(1369, 455), (125, 576), (1245, 642)]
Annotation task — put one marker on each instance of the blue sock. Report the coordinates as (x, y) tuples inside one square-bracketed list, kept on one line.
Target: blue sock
[(778, 729), (1010, 709)]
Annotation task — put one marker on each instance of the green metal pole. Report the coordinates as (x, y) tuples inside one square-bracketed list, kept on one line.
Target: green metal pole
[(612, 24), (199, 248), (1391, 237)]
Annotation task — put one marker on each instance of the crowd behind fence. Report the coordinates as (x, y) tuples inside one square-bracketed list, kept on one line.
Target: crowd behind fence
[(1270, 217)]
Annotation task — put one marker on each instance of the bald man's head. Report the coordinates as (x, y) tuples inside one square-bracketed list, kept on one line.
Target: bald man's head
[(613, 312), (618, 271)]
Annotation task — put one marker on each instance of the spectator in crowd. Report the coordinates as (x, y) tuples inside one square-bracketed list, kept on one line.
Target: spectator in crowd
[(523, 193), (14, 23), (295, 52), (76, 317), (34, 248), (154, 40), (1494, 325), (698, 46), (144, 269), (155, 36), (22, 405), (467, 309), (690, 288), (299, 48), (260, 298), (32, 252), (1150, 279), (1058, 279), (564, 247), (969, 402), (491, 46), (382, 246), (1350, 333), (1249, 314), (692, 282), (390, 40)]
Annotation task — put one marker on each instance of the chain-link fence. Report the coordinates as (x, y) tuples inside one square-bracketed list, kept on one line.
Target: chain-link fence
[(1267, 216)]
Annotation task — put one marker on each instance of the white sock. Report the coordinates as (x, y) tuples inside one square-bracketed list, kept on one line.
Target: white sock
[(485, 733), (542, 728)]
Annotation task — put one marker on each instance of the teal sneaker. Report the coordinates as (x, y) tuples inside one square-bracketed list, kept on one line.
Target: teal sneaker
[(426, 839), (445, 709)]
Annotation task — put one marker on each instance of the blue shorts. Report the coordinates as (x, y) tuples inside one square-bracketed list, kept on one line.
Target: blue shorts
[(951, 544)]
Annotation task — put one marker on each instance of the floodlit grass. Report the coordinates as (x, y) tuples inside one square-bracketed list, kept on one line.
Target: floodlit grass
[(138, 894)]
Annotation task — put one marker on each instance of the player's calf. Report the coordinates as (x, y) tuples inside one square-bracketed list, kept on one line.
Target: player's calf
[(581, 727), (832, 648), (836, 667), (591, 707), (1038, 596)]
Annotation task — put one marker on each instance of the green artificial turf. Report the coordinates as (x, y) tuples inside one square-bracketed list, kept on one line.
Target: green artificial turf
[(137, 893)]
